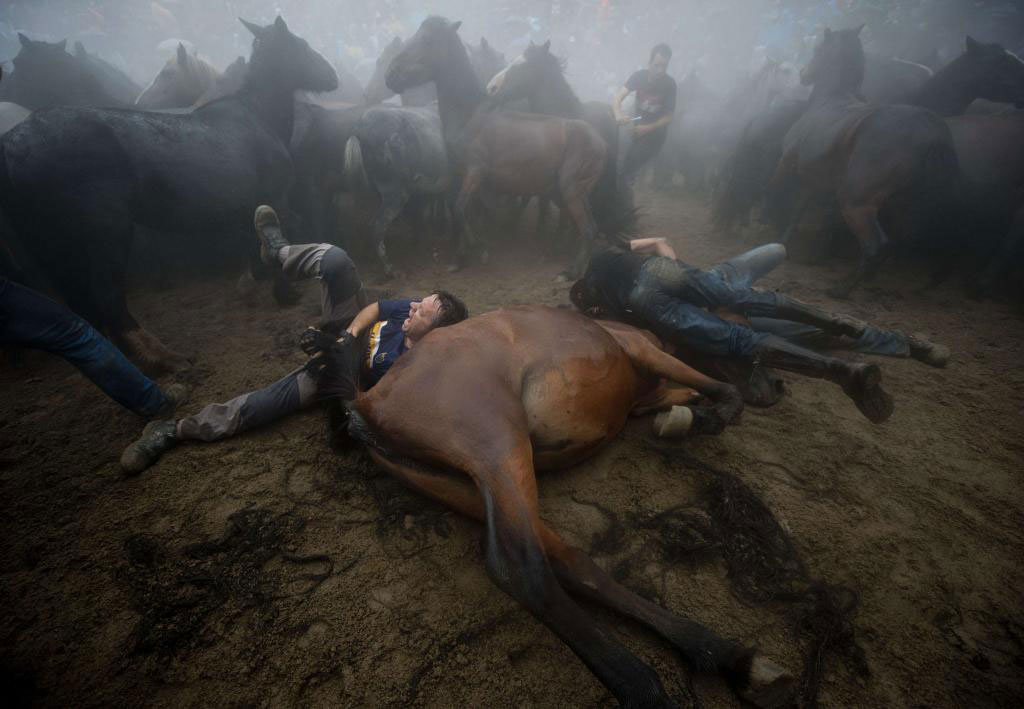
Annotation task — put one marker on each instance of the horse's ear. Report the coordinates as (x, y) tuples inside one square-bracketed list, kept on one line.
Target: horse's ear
[(62, 45), (256, 30), (25, 41), (973, 45), (79, 50), (396, 42), (546, 46), (279, 24), (856, 32), (828, 32), (483, 43), (456, 25), (182, 55)]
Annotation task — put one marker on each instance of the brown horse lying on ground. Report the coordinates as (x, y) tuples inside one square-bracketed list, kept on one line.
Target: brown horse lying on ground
[(469, 415)]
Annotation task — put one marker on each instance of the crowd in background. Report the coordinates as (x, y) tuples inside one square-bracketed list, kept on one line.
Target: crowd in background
[(604, 40)]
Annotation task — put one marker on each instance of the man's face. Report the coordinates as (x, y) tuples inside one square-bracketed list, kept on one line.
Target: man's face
[(659, 65), (422, 315)]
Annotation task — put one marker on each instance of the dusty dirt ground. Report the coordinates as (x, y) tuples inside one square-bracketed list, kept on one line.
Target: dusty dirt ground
[(266, 570)]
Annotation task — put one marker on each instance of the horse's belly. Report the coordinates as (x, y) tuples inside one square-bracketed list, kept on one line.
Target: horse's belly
[(573, 408)]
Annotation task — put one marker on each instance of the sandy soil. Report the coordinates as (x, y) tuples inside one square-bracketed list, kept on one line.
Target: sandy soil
[(266, 570)]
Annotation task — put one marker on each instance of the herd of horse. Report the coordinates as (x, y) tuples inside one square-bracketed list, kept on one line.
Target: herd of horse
[(89, 159)]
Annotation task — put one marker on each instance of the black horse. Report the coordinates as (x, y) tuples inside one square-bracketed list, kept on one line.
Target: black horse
[(74, 182), (46, 75), (982, 71), (897, 158)]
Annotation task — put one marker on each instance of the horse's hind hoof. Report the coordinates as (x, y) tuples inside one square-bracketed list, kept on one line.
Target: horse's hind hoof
[(674, 423), (769, 685)]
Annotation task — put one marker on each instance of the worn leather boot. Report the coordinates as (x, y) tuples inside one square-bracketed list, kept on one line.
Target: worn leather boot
[(861, 381), (157, 438), (787, 308), (268, 231), (923, 350)]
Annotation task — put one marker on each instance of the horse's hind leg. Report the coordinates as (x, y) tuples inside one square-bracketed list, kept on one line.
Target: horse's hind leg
[(863, 222), (463, 231), (758, 679), (498, 457), (393, 199)]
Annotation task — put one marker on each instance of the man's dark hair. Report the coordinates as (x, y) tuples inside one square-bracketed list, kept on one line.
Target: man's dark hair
[(451, 309), (662, 49)]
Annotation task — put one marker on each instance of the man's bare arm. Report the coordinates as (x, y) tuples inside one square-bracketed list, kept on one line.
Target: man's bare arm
[(620, 96), (364, 319), (653, 245)]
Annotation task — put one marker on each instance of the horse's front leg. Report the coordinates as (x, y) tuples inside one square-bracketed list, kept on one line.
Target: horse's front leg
[(863, 222), (463, 232)]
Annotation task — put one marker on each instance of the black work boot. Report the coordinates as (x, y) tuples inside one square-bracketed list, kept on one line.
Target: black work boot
[(923, 350), (268, 231), (861, 381), (787, 308), (157, 438)]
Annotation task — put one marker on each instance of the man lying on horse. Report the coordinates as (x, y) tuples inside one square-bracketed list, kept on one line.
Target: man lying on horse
[(391, 328), (693, 308)]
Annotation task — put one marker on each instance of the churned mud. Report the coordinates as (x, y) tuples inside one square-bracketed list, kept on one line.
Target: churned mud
[(880, 562)]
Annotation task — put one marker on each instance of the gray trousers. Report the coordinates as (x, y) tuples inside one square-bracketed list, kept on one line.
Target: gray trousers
[(340, 287)]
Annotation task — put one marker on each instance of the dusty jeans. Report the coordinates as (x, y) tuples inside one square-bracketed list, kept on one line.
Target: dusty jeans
[(340, 288)]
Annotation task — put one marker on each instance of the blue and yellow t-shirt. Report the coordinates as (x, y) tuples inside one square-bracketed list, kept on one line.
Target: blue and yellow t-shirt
[(387, 341)]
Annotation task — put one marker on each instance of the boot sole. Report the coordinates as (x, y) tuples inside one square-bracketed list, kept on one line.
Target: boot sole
[(867, 393)]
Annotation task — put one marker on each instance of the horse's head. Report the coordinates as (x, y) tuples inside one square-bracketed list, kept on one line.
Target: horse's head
[(376, 89), (46, 75), (422, 58), (837, 63), (487, 62), (524, 75), (997, 74), (179, 83), (289, 61)]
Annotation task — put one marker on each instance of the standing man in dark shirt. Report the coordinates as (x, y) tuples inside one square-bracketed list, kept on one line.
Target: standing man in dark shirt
[(655, 106)]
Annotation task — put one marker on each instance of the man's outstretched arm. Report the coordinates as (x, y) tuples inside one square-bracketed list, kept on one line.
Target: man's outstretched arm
[(364, 319), (654, 245)]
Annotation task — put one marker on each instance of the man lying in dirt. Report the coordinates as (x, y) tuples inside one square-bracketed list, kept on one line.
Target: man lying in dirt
[(394, 326), (649, 287)]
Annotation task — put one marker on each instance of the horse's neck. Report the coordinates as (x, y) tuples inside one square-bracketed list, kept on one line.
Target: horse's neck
[(459, 94), (273, 106), (948, 92), (556, 98)]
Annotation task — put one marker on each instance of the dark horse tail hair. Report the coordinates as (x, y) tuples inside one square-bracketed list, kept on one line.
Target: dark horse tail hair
[(614, 215)]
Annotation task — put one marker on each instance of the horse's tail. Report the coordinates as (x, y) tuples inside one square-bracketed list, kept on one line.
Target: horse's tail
[(355, 173)]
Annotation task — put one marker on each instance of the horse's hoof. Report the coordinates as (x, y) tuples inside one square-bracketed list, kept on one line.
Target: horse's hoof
[(674, 423), (769, 685), (454, 268), (563, 277), (246, 284)]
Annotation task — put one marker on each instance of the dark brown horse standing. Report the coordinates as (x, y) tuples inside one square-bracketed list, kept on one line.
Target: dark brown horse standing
[(504, 153), (900, 158), (471, 413)]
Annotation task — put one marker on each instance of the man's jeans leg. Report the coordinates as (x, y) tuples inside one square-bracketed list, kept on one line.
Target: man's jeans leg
[(339, 280), (30, 319), (291, 393), (688, 325), (890, 343)]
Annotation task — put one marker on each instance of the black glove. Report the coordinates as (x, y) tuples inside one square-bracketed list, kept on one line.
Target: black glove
[(313, 340)]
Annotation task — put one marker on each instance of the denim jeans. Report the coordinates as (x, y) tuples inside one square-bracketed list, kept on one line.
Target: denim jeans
[(340, 288), (30, 319), (673, 300)]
